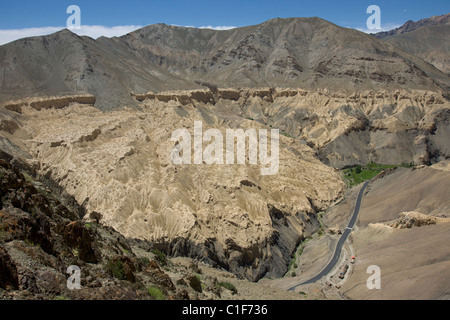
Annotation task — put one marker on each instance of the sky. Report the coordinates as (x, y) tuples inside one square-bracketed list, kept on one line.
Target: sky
[(23, 18)]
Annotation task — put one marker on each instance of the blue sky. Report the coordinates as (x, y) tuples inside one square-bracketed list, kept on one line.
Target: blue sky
[(27, 17)]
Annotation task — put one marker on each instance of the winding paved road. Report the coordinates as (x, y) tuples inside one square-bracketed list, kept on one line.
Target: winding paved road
[(340, 243)]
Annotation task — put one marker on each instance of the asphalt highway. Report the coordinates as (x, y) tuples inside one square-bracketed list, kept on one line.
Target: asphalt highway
[(340, 244)]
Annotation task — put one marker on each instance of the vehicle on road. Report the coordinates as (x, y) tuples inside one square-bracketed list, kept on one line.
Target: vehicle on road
[(343, 272)]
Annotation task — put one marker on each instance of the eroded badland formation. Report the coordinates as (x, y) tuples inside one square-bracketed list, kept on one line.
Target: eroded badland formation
[(85, 135)]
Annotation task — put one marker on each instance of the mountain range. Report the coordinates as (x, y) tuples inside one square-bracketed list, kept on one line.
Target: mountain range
[(428, 39), (309, 53)]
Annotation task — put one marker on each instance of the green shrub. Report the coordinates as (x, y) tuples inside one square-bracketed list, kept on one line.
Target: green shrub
[(27, 177), (156, 293), (408, 164), (116, 268), (228, 286), (145, 261), (195, 283), (161, 257)]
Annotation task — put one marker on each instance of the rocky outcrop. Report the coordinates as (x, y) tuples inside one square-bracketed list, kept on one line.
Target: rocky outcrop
[(9, 126), (407, 220), (153, 270), (8, 271), (49, 102), (182, 97), (229, 94), (37, 246), (77, 236)]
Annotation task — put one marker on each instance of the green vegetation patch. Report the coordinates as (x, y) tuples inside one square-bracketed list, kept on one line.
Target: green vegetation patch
[(156, 293), (358, 174), (228, 286), (297, 253), (161, 257), (116, 268)]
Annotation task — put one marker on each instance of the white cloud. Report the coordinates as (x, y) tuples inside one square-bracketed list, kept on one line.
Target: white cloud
[(218, 27), (99, 31), (384, 27), (208, 27), (8, 35), (14, 34)]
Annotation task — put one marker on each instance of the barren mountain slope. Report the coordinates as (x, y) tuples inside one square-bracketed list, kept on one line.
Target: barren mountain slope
[(305, 52), (64, 63), (428, 39), (432, 44), (410, 25)]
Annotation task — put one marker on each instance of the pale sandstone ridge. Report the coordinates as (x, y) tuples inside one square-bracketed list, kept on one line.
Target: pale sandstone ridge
[(442, 165), (118, 163), (389, 127)]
